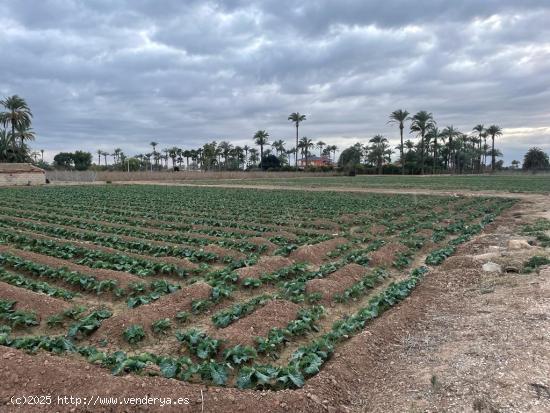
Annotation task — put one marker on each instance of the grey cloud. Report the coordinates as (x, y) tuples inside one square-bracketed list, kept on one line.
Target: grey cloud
[(120, 73)]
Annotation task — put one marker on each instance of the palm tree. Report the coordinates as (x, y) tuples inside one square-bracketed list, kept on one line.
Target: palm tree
[(42, 153), (421, 123), (320, 145), (306, 144), (480, 129), (334, 148), (279, 146), (246, 148), (297, 118), (379, 152), (99, 153), (451, 133), (433, 134), (399, 117), (260, 138), (253, 156), (24, 133), (493, 131), (18, 114), (291, 151)]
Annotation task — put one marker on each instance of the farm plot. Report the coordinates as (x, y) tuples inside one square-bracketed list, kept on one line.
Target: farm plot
[(230, 287)]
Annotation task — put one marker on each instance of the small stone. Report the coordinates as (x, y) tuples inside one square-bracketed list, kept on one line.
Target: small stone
[(512, 268), (491, 267), (518, 244)]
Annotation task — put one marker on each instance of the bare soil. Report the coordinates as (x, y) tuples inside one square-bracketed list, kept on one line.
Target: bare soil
[(337, 282), (165, 307), (466, 340), (42, 304), (386, 254), (275, 314), (265, 265), (316, 254)]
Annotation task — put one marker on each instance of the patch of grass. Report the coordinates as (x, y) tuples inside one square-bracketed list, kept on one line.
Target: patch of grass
[(534, 262)]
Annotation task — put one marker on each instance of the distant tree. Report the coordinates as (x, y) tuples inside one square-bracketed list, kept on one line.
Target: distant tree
[(261, 139), (399, 117), (296, 118), (493, 131), (432, 136), (63, 160), (535, 159), (321, 145), (17, 116), (253, 156), (379, 152), (515, 164), (270, 162), (480, 130), (421, 123), (306, 144), (450, 133), (350, 157), (81, 160)]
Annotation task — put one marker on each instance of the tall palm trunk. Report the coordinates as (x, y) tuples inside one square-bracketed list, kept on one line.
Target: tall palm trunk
[(493, 153), (422, 154), (296, 156), (435, 156), (401, 127)]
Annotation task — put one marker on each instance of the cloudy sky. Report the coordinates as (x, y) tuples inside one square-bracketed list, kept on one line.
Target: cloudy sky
[(102, 74)]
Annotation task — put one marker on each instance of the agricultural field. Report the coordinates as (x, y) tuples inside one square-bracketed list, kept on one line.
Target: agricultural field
[(228, 287), (485, 183)]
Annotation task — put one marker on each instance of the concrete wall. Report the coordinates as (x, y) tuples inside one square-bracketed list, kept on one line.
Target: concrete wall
[(22, 178)]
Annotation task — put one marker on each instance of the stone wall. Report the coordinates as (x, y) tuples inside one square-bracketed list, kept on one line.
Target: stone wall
[(22, 178)]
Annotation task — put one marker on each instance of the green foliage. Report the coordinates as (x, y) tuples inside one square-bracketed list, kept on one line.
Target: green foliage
[(198, 343), (161, 326), (534, 262), (16, 318), (229, 315), (87, 325), (134, 334), (239, 354)]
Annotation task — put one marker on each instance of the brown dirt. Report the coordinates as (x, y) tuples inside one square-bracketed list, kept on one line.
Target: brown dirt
[(386, 254), (263, 241), (288, 235), (464, 341), (123, 278), (265, 265), (337, 282), (275, 314), (228, 229), (43, 305), (377, 229), (165, 307), (316, 254)]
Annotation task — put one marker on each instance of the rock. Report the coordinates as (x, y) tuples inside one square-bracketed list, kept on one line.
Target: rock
[(491, 267), (512, 268), (518, 244)]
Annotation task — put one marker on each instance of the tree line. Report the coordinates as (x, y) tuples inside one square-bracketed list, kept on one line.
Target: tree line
[(433, 150)]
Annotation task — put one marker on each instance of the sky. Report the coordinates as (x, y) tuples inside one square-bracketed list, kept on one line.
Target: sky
[(102, 74)]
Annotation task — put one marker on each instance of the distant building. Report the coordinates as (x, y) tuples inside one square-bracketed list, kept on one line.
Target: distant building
[(315, 161), (12, 174)]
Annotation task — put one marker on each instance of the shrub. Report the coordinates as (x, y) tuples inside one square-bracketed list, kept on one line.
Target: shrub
[(134, 334)]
